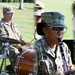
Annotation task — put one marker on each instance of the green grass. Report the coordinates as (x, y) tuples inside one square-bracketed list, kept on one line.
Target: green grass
[(23, 18)]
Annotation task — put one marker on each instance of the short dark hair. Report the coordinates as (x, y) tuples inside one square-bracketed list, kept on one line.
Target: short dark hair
[(39, 28)]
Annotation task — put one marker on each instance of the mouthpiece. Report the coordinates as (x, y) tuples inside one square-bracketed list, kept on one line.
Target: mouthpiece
[(60, 42)]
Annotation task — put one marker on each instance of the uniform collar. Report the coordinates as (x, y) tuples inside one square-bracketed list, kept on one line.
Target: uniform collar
[(48, 49), (7, 23)]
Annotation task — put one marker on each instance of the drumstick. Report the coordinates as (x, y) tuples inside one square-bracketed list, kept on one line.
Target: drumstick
[(32, 40)]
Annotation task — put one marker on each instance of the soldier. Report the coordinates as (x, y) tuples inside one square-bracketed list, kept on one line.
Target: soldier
[(50, 59), (38, 10), (9, 30)]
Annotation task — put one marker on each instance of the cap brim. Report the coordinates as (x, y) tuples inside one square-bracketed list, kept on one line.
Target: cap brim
[(57, 25), (9, 12)]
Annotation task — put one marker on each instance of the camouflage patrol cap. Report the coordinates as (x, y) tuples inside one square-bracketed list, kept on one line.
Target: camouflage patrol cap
[(38, 8), (54, 19), (39, 4), (8, 9)]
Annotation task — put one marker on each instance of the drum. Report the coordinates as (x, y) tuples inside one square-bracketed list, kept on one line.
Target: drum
[(26, 63)]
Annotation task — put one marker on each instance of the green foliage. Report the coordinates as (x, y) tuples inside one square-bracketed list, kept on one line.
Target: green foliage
[(4, 0), (0, 0), (15, 1), (10, 1)]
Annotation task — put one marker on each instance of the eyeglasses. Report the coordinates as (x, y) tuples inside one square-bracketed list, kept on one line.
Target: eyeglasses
[(58, 29)]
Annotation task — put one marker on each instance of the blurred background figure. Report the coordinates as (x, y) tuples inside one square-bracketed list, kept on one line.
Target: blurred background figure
[(73, 19), (38, 10)]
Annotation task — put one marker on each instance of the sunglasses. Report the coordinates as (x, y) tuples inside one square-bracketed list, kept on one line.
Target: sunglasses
[(58, 29)]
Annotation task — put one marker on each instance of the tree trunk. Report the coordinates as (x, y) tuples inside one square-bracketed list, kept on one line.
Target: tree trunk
[(21, 4)]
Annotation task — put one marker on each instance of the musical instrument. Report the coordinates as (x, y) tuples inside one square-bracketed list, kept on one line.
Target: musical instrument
[(5, 42), (3, 64), (26, 63), (10, 40), (66, 70)]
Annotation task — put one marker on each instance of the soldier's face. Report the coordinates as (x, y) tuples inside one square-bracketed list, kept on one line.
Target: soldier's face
[(52, 34), (8, 16), (37, 19)]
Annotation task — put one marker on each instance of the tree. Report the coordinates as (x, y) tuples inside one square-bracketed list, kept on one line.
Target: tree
[(21, 4)]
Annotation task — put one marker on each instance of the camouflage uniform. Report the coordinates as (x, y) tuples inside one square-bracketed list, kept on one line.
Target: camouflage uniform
[(49, 59), (10, 30)]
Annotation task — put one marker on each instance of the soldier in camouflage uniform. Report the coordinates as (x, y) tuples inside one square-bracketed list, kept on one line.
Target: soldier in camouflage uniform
[(49, 57), (9, 29), (38, 10)]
